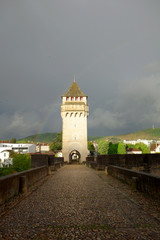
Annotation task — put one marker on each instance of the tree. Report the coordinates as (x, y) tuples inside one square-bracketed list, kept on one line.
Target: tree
[(91, 148), (13, 140), (103, 147), (113, 148), (129, 145), (121, 149), (21, 162), (57, 142), (12, 153), (143, 147), (56, 146)]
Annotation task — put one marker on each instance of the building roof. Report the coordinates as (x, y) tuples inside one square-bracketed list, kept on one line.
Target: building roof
[(74, 91), (133, 150), (5, 150), (153, 146)]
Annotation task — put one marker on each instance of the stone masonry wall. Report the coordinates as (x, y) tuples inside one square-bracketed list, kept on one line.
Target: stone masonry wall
[(143, 182), (142, 162), (38, 160), (14, 184)]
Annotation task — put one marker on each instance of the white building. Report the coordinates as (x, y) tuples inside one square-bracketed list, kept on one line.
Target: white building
[(5, 159), (42, 147), (74, 113), (19, 147), (147, 142), (6, 148), (126, 141)]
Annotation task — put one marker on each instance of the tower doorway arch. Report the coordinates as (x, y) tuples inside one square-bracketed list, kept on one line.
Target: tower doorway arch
[(74, 156)]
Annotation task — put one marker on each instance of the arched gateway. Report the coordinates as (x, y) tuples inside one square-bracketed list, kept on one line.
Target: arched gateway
[(74, 113), (74, 156)]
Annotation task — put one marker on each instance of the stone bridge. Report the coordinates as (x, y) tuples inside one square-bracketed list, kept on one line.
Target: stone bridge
[(77, 202)]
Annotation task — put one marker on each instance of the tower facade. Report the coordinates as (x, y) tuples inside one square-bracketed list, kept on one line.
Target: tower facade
[(74, 113)]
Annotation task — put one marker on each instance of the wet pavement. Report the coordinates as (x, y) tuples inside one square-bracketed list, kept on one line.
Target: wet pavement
[(80, 203)]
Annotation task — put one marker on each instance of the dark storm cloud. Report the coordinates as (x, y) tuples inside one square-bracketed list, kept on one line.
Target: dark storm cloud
[(111, 46)]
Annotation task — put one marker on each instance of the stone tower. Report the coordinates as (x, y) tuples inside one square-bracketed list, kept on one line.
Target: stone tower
[(74, 113)]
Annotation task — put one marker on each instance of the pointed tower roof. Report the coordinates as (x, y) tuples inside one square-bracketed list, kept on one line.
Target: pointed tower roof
[(74, 91)]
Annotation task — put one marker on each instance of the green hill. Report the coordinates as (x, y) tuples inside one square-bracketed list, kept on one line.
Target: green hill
[(149, 134), (42, 137), (45, 138), (93, 138), (143, 134)]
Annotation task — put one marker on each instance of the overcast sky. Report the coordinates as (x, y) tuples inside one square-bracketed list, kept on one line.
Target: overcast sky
[(112, 46)]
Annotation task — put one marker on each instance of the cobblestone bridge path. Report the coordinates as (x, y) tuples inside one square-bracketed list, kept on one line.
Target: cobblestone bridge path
[(80, 203)]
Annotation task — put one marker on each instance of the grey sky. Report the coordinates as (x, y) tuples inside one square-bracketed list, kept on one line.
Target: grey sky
[(112, 46)]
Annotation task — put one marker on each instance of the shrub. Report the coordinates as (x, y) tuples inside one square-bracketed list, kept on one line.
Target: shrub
[(57, 142), (6, 171), (143, 147), (121, 148), (113, 148), (21, 162), (91, 148), (103, 147)]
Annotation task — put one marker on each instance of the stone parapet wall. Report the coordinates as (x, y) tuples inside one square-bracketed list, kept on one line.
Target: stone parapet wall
[(91, 164), (142, 162), (51, 160), (59, 159), (90, 159), (143, 182), (38, 160), (20, 182)]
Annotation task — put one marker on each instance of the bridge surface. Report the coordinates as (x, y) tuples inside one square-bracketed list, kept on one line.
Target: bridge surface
[(80, 203)]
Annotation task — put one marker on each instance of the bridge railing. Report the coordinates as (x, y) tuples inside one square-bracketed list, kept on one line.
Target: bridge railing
[(143, 182), (42, 165), (140, 170), (20, 182), (39, 159), (149, 163)]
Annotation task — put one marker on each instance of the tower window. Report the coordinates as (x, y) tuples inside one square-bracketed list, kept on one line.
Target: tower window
[(76, 98), (81, 98), (67, 98), (72, 98)]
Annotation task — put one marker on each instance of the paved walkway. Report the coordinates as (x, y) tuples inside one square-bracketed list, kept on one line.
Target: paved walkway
[(80, 203)]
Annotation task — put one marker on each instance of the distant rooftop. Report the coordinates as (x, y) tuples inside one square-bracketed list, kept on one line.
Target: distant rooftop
[(153, 146), (133, 150), (74, 91)]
